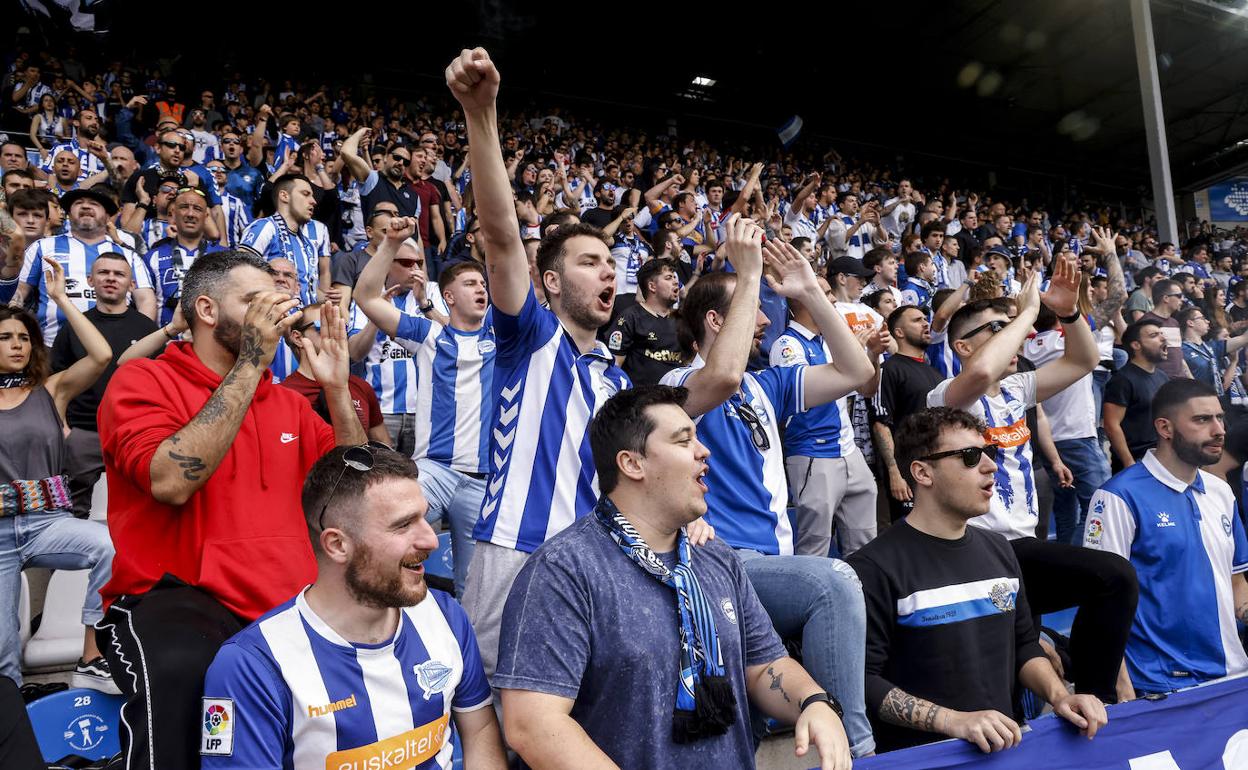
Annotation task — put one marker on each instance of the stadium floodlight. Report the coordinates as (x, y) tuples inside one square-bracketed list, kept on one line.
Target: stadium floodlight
[(703, 81)]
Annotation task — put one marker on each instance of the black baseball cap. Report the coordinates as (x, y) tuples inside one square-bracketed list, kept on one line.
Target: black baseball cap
[(849, 266)]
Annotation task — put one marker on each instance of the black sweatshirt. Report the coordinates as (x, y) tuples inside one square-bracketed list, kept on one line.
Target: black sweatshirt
[(947, 621)]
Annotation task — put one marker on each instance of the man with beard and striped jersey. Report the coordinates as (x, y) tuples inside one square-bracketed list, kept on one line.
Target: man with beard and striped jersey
[(292, 233), (551, 374), (88, 212), (1058, 575), (455, 370), (169, 259), (367, 667)]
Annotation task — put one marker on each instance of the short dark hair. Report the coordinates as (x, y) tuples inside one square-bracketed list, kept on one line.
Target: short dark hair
[(318, 486), (710, 292), (1133, 331), (453, 271), (680, 199), (894, 318), (553, 248), (1146, 273), (1178, 391), (39, 367), (622, 425), (931, 227), (918, 435), (651, 270), (1185, 315), (873, 299), (915, 260), (111, 255), (799, 242), (30, 199), (968, 314), (207, 276), (1162, 288), (875, 257), (286, 182), (22, 173)]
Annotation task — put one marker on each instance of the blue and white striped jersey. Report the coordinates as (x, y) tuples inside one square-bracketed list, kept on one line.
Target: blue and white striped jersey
[(823, 431), (542, 475), (153, 231), (1185, 542), (88, 163), (237, 217), (285, 144), (306, 248), (284, 362), (454, 408), (1013, 510), (941, 356), (390, 367), (747, 491), (628, 251), (76, 258), (289, 692), (167, 262)]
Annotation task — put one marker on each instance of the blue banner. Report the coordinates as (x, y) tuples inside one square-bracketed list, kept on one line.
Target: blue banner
[(1198, 729), (1228, 201)]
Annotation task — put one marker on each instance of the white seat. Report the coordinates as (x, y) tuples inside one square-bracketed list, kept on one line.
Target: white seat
[(58, 642), (99, 499)]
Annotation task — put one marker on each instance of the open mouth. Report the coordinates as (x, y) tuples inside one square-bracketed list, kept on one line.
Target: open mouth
[(606, 297), (701, 480), (418, 567)]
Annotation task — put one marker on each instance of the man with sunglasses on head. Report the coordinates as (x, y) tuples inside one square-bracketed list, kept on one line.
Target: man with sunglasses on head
[(1058, 575), (367, 667), (205, 459), (738, 413), (242, 179), (949, 627)]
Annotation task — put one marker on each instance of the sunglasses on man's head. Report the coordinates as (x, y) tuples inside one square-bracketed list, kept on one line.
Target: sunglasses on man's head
[(357, 458), (970, 455)]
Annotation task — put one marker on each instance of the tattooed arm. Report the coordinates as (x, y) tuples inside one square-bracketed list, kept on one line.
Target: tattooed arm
[(989, 730), (778, 689), (186, 460)]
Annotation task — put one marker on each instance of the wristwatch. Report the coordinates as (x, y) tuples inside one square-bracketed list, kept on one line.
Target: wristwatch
[(823, 697), (428, 306)]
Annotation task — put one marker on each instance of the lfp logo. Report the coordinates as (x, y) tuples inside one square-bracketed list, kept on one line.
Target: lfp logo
[(216, 719), (217, 735)]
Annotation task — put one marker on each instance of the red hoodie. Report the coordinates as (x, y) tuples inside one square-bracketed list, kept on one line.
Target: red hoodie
[(242, 537)]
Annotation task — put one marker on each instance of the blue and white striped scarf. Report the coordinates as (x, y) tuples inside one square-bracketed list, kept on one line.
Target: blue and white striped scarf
[(705, 704)]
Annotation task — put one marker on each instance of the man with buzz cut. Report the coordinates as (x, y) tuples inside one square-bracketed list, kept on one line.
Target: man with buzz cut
[(949, 628), (367, 667), (1180, 528)]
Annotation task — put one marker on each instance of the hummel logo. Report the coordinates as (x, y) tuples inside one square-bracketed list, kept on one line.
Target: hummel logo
[(288, 437)]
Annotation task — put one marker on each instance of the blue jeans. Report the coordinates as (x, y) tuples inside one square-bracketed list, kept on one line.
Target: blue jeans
[(1091, 469), (457, 496), (53, 540), (1099, 380), (819, 600)]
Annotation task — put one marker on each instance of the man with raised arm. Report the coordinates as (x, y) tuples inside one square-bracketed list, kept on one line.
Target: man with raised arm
[(551, 374), (205, 459), (455, 367), (1058, 575)]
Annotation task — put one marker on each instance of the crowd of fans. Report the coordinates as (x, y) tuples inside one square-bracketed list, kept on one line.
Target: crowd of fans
[(780, 388)]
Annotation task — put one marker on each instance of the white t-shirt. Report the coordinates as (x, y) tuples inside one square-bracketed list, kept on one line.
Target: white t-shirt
[(899, 220), (1072, 412), (1013, 511)]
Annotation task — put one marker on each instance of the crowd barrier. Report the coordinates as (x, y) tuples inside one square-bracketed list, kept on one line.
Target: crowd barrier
[(1203, 728)]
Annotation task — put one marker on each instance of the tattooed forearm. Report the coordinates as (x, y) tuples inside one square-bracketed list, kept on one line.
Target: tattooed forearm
[(902, 708), (777, 683), (251, 349), (191, 466)]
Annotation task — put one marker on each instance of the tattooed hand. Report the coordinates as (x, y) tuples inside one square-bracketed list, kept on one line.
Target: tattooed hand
[(268, 317)]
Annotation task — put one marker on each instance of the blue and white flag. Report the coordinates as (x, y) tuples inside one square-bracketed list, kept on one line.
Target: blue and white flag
[(789, 131)]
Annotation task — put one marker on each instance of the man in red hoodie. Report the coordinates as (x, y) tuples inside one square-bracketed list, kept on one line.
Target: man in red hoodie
[(205, 459)]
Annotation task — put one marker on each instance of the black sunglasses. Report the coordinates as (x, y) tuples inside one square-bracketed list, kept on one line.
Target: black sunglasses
[(400, 158), (230, 141), (995, 326), (970, 455), (172, 145), (758, 434), (358, 458)]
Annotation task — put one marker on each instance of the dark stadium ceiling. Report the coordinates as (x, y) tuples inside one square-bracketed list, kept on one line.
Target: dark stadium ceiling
[(1046, 86)]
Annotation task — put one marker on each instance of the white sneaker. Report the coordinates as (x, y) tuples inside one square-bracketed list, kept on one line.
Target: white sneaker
[(94, 675)]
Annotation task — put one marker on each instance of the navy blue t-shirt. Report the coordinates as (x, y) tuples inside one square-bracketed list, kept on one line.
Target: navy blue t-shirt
[(585, 622)]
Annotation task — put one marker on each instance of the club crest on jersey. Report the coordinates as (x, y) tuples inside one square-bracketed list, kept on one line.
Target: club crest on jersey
[(432, 676), (1226, 525), (485, 347), (1163, 520), (730, 612), (217, 735), (1002, 597)]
